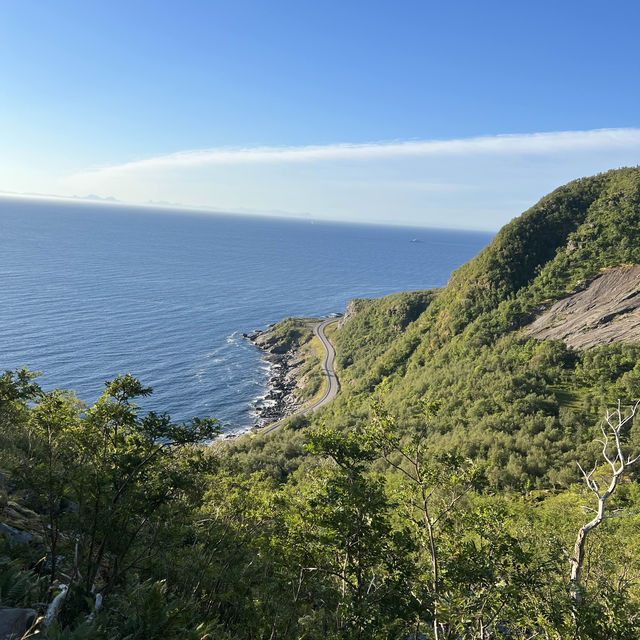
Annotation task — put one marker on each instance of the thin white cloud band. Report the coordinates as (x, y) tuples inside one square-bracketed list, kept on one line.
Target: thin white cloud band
[(508, 144)]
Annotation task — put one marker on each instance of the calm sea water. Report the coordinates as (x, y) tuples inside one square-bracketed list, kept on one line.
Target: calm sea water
[(90, 291)]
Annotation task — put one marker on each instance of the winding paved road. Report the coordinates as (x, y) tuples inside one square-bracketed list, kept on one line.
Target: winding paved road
[(332, 384)]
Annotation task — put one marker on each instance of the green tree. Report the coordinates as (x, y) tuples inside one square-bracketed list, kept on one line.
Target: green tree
[(430, 486), (132, 476), (50, 463), (346, 549)]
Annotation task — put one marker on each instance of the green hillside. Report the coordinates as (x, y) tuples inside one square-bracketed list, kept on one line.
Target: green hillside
[(438, 496), (525, 407)]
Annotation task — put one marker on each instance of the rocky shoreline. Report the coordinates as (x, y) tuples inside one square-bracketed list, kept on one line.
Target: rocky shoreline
[(281, 399)]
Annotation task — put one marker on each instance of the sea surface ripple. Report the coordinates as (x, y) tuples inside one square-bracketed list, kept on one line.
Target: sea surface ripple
[(92, 290)]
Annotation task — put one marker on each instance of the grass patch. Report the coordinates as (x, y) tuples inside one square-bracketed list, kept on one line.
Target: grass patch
[(567, 397), (331, 329)]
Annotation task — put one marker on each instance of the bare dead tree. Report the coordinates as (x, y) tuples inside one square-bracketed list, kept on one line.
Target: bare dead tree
[(612, 452)]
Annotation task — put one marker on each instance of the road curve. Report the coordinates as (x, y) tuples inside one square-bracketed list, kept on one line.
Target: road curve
[(332, 384)]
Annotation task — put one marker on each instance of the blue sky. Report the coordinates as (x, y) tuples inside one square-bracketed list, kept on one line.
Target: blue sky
[(323, 109)]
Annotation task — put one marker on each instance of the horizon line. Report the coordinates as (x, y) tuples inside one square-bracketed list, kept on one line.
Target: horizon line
[(204, 210)]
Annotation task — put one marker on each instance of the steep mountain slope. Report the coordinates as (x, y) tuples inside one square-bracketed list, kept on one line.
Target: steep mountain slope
[(523, 407)]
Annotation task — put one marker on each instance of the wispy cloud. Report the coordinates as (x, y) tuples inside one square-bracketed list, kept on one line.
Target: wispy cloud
[(475, 183), (500, 145)]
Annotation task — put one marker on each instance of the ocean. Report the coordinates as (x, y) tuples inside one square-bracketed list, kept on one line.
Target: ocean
[(93, 290)]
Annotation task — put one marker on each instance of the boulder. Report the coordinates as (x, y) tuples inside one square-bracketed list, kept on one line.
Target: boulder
[(20, 517), (15, 535), (14, 623)]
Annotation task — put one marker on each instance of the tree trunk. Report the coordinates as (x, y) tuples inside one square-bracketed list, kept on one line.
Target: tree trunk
[(576, 567)]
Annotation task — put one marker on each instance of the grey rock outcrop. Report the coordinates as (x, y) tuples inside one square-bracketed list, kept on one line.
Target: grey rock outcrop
[(606, 310), (14, 623), (19, 523), (15, 535), (353, 307)]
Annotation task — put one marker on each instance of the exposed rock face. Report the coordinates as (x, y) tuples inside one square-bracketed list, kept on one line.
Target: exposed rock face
[(607, 310), (353, 306)]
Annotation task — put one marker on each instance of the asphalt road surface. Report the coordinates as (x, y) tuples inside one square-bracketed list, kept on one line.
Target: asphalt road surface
[(332, 385)]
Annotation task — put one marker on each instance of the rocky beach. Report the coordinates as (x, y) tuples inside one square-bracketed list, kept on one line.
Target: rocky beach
[(281, 399)]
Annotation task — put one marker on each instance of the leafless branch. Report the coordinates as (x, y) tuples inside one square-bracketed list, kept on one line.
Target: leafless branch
[(615, 420)]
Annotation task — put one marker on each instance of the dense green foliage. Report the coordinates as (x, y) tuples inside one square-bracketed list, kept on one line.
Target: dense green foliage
[(290, 333), (375, 325), (437, 496)]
